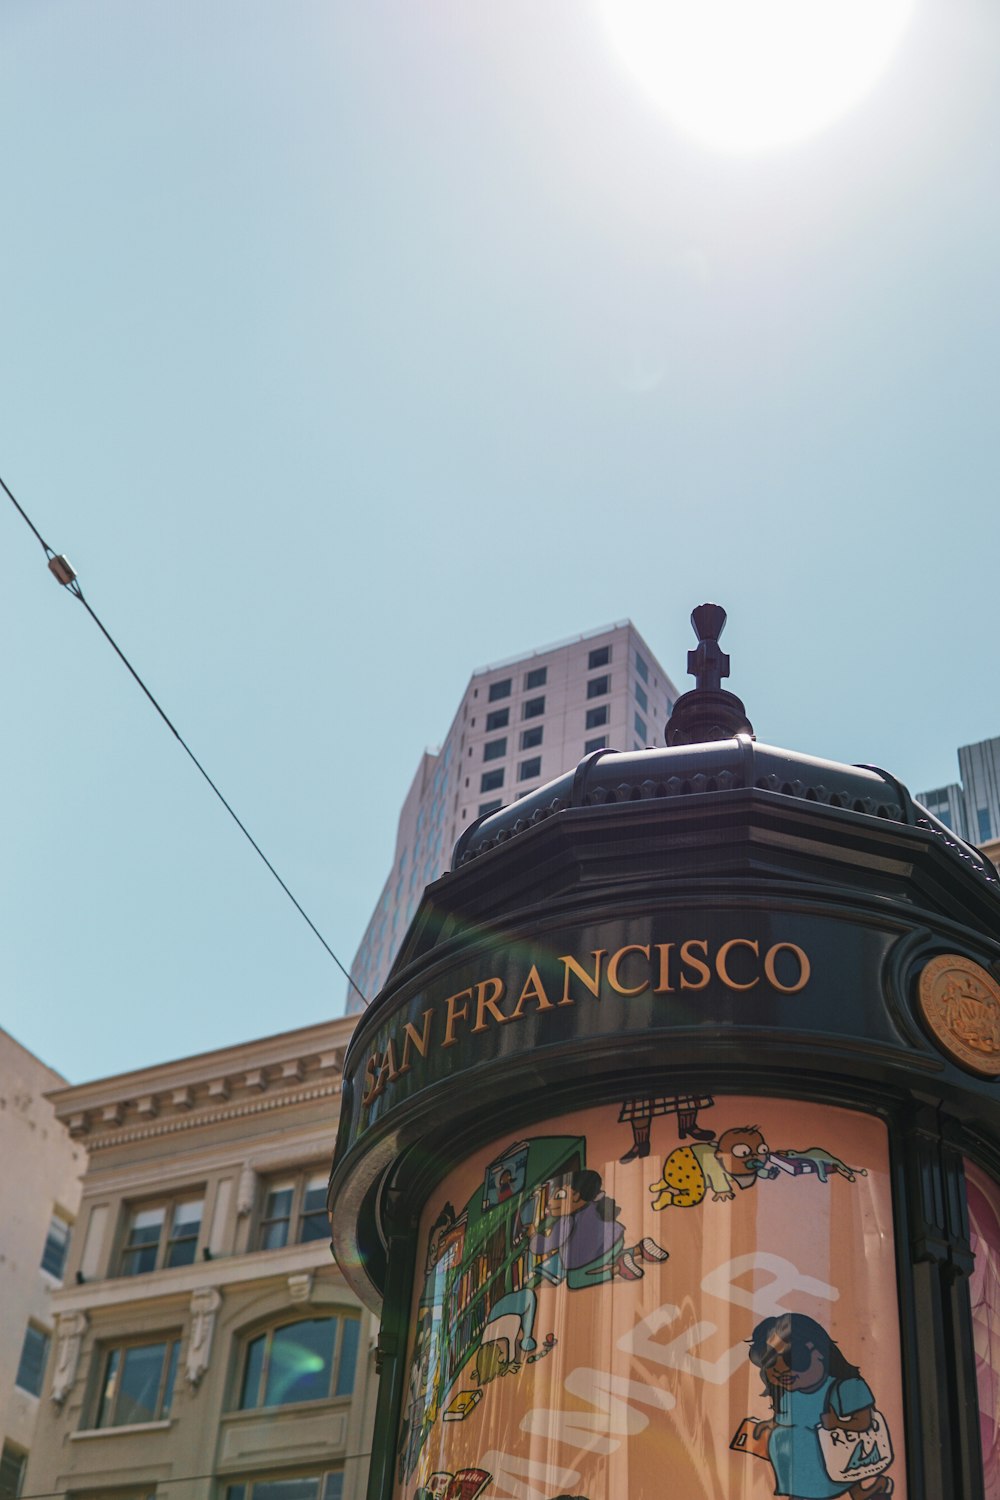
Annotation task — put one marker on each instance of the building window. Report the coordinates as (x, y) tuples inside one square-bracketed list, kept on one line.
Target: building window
[(306, 1361), (488, 807), (294, 1211), (161, 1235), (597, 687), (597, 716), (640, 727), (498, 719), (531, 737), (495, 749), (529, 768), (491, 780), (641, 699), (56, 1247), (532, 708), (328, 1486), (600, 743), (536, 678), (500, 689), (985, 826), (598, 658), (30, 1375), (12, 1466), (137, 1384), (641, 667)]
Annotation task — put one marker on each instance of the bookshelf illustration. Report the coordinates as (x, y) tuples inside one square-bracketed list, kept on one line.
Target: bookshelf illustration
[(485, 1255)]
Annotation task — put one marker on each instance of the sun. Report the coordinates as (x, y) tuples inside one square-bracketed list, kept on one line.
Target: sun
[(748, 75)]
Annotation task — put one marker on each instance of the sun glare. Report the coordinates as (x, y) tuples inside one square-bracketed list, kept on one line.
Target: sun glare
[(746, 75)]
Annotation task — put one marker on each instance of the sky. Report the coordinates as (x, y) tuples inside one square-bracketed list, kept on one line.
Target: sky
[(347, 348)]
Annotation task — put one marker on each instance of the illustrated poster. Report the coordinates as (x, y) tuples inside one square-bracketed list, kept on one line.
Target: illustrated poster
[(984, 1225), (674, 1296)]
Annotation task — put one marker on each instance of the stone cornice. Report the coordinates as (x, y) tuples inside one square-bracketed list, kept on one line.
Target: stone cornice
[(99, 1137), (274, 1072)]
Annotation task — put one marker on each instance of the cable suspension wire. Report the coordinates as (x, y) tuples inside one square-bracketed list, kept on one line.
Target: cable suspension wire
[(63, 572)]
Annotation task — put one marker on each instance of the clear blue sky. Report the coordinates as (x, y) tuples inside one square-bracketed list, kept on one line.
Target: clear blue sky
[(348, 347)]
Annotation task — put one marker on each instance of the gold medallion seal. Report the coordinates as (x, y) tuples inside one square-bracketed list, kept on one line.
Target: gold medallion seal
[(960, 1004)]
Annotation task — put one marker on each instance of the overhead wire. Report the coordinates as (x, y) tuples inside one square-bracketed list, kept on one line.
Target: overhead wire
[(64, 574)]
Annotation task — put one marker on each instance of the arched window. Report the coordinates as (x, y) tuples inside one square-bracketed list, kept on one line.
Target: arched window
[(309, 1360)]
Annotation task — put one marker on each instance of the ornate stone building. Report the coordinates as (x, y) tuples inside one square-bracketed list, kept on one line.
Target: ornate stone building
[(205, 1345), (39, 1192)]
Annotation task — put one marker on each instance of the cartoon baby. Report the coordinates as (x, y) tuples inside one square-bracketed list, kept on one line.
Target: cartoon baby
[(735, 1160)]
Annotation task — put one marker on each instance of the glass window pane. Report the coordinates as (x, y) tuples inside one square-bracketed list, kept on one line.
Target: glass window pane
[(184, 1233), (143, 1241), (12, 1465), (300, 1361), (108, 1388), (314, 1224), (350, 1329), (31, 1367), (168, 1384), (333, 1489), (287, 1489), (139, 1386), (250, 1393), (56, 1246)]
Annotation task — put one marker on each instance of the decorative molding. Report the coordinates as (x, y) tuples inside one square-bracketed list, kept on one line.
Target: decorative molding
[(205, 1304), (70, 1329), (182, 1098), (246, 1190), (291, 1072), (148, 1107), (112, 1114), (256, 1078), (79, 1124), (192, 1121), (332, 1059), (219, 1089), (300, 1287)]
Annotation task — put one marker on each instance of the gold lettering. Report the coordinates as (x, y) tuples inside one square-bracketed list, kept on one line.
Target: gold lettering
[(488, 1001), (386, 1071), (592, 982), (804, 968), (723, 954), (664, 987), (534, 989), (411, 1037), (699, 966), (370, 1066), (390, 1061), (454, 1014), (616, 959)]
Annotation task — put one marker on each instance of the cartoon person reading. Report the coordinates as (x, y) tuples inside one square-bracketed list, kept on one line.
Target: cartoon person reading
[(825, 1437), (581, 1241)]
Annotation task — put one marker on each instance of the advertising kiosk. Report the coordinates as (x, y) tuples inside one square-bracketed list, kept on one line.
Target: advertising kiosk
[(670, 1150)]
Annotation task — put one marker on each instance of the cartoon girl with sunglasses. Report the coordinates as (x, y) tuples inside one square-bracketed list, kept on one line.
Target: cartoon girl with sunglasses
[(812, 1386)]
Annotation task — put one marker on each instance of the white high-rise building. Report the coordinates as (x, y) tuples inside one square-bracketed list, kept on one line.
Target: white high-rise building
[(973, 808), (521, 722)]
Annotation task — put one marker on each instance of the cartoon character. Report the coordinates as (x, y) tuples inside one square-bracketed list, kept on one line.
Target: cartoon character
[(814, 1389), (639, 1114), (816, 1160), (735, 1160), (508, 1337), (581, 1241)]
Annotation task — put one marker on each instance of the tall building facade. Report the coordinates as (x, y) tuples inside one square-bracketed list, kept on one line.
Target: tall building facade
[(972, 808), (204, 1343), (520, 723), (40, 1172)]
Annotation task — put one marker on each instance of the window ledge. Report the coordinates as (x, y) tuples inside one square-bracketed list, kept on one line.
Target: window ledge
[(99, 1432), (254, 1413)]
